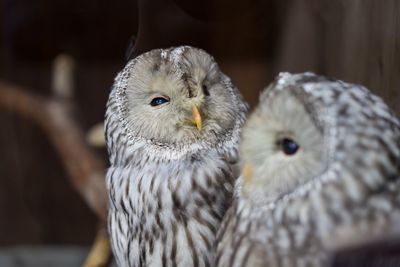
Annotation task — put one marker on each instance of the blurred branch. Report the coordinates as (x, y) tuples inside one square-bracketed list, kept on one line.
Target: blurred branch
[(85, 169), (101, 251), (54, 115), (95, 136), (63, 82)]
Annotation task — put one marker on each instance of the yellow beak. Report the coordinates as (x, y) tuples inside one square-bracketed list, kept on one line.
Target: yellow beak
[(247, 173), (196, 117)]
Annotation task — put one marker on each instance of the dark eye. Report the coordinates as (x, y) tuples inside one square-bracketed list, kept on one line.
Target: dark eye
[(205, 90), (158, 101), (289, 147)]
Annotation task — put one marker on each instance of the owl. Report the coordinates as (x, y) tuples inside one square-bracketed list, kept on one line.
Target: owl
[(173, 124), (320, 171)]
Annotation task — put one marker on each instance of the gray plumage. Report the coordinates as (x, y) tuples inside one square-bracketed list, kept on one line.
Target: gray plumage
[(321, 172), (173, 123)]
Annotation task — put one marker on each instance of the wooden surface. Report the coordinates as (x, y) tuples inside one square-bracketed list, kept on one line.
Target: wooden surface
[(25, 256), (357, 41)]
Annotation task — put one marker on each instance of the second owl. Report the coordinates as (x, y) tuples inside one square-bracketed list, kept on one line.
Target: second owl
[(322, 172)]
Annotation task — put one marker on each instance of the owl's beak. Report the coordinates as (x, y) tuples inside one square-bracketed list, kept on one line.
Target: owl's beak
[(196, 117), (247, 173)]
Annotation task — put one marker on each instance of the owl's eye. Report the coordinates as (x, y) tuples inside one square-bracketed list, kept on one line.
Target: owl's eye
[(158, 101), (288, 146), (205, 90)]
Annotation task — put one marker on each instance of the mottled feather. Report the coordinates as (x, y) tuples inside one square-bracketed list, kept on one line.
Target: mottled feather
[(170, 183), (339, 187)]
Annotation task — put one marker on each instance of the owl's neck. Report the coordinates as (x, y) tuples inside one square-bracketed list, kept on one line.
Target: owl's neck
[(135, 150), (168, 212)]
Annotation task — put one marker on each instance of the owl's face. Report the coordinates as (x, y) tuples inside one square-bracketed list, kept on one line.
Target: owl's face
[(179, 96), (283, 144), (306, 128)]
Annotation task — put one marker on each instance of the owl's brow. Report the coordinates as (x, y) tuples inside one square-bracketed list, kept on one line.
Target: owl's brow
[(314, 79), (156, 67), (186, 77), (304, 98)]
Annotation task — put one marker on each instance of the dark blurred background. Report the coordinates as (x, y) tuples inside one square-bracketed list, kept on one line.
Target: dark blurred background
[(357, 41)]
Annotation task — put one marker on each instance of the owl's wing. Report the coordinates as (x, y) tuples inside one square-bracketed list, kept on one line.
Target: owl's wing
[(225, 236), (234, 162), (236, 169), (233, 247)]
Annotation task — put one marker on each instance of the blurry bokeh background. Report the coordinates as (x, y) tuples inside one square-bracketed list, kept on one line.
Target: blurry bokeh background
[(356, 40)]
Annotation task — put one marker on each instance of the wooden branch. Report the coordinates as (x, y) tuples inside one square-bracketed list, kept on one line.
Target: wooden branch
[(85, 169), (100, 252)]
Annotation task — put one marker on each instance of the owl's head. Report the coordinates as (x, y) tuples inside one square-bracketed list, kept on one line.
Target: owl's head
[(177, 98), (307, 129)]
